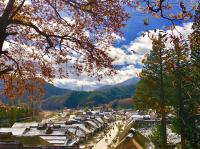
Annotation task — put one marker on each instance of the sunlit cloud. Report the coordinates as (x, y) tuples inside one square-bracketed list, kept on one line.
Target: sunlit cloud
[(127, 56)]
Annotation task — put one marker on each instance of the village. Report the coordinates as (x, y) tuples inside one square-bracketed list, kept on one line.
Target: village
[(79, 130), (88, 129)]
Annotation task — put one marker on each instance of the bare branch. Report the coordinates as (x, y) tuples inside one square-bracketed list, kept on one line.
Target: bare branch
[(17, 64)]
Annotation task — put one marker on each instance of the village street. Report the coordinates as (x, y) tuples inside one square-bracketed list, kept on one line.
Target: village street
[(107, 140)]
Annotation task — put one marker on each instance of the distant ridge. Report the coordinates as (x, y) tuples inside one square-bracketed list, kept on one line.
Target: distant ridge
[(52, 90), (130, 81), (58, 98), (103, 95)]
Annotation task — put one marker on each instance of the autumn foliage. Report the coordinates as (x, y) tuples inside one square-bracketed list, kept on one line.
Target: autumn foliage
[(44, 39)]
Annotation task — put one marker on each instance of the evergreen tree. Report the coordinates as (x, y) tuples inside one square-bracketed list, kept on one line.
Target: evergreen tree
[(179, 58), (151, 89), (193, 132), (195, 48)]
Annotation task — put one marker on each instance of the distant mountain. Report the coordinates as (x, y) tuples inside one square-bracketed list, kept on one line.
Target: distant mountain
[(131, 81), (54, 102), (58, 98), (103, 95), (52, 90)]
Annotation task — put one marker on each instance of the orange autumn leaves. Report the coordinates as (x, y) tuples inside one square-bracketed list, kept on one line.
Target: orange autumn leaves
[(50, 38)]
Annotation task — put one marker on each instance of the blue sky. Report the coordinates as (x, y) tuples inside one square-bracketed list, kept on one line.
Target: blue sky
[(129, 64), (135, 25)]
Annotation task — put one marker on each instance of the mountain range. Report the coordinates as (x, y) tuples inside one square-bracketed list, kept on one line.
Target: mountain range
[(57, 98)]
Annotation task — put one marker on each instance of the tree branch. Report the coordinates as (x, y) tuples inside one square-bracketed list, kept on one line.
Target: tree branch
[(17, 64), (49, 36), (18, 8), (8, 9), (5, 71)]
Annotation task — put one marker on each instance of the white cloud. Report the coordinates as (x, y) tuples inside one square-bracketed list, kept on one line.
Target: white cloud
[(185, 30), (140, 45), (123, 56), (118, 38), (87, 83)]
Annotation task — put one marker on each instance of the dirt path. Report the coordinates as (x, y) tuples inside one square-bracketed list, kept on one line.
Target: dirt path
[(136, 144), (107, 140)]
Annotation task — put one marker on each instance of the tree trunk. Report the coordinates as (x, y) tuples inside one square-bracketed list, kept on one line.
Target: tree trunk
[(163, 130), (181, 115), (162, 98), (4, 22), (180, 104), (2, 35), (195, 137)]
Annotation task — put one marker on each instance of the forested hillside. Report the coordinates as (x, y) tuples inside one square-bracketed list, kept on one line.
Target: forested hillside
[(92, 98)]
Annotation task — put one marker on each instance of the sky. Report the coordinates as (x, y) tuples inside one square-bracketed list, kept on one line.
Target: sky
[(128, 63)]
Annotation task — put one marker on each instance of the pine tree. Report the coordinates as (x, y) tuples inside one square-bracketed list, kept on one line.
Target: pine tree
[(179, 58), (193, 132), (185, 72), (195, 45), (153, 79)]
